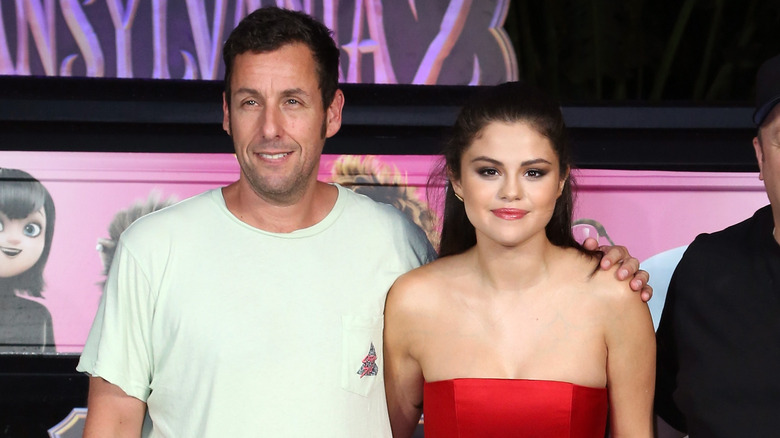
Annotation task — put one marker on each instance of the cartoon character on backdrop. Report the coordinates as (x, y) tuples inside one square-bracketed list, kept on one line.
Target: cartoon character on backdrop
[(122, 219), (26, 231), (584, 228), (386, 184)]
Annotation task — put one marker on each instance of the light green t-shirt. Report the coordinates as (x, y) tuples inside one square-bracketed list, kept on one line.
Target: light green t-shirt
[(225, 330)]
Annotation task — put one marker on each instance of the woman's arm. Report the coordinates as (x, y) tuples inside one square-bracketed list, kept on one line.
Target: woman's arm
[(403, 374), (630, 365)]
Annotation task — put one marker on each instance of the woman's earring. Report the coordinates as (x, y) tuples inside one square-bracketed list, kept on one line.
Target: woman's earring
[(458, 196)]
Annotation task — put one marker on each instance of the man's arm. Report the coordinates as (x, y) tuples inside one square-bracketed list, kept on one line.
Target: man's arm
[(628, 266), (667, 359), (111, 412)]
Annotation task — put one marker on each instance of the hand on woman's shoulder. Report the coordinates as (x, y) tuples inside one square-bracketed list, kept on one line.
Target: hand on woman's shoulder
[(606, 284), (596, 288), (626, 315)]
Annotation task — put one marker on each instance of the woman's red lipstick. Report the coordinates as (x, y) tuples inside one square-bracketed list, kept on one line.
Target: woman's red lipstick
[(509, 214)]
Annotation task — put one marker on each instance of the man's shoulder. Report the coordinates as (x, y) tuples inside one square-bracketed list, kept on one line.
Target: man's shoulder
[(365, 208), (362, 201), (727, 250), (387, 223), (733, 236), (171, 218)]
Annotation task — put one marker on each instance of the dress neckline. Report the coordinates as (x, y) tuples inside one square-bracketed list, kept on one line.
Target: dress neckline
[(510, 381)]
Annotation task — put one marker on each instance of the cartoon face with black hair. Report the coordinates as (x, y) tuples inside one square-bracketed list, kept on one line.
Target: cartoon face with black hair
[(26, 231), (21, 242)]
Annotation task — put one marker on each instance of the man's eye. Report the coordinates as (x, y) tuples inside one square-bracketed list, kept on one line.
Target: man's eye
[(250, 102), (292, 101)]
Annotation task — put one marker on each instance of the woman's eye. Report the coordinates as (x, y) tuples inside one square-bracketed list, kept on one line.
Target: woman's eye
[(488, 171), (534, 173), (32, 230)]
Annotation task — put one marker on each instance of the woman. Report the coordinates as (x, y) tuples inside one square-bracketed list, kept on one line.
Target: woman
[(514, 331)]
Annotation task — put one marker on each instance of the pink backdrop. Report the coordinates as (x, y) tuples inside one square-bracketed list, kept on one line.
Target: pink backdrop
[(649, 211)]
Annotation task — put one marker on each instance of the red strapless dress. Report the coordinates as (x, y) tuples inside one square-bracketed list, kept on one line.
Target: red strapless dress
[(465, 408)]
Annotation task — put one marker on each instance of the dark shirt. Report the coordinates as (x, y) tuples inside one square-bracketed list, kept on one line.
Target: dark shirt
[(718, 372), (25, 325)]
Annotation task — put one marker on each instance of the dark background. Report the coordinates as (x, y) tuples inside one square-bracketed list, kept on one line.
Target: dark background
[(640, 50)]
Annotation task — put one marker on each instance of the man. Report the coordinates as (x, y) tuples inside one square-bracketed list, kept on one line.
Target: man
[(719, 335), (255, 309)]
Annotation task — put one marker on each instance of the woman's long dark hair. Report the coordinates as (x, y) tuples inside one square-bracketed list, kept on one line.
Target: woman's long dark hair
[(510, 102), (20, 195)]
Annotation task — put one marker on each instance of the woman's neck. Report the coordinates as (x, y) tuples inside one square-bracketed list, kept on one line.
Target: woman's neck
[(517, 268)]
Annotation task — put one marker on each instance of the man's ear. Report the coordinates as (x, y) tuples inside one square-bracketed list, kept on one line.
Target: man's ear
[(333, 114), (759, 157), (225, 114)]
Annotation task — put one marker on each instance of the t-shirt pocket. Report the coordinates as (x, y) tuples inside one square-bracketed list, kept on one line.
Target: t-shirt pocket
[(361, 353)]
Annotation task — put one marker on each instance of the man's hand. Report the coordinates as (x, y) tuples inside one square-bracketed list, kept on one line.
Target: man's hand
[(628, 266)]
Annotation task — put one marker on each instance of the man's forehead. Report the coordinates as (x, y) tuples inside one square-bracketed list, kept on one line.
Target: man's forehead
[(289, 60), (296, 50)]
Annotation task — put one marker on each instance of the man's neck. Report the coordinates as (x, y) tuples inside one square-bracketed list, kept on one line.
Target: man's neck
[(252, 209)]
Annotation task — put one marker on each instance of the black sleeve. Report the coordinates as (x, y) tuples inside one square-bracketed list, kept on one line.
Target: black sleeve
[(667, 360)]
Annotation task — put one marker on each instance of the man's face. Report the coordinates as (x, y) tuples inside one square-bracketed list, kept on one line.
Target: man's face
[(277, 121), (768, 155)]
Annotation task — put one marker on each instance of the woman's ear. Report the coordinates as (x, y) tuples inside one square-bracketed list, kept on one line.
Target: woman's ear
[(562, 181), (455, 183)]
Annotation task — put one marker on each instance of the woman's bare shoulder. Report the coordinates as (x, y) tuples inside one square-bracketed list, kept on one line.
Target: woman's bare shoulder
[(613, 303), (426, 284), (439, 270), (582, 271), (574, 265), (612, 292)]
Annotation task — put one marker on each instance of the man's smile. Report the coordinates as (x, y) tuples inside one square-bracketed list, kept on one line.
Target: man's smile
[(274, 156)]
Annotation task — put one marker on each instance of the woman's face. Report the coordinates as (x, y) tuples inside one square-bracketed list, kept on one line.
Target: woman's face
[(509, 182), (21, 242)]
